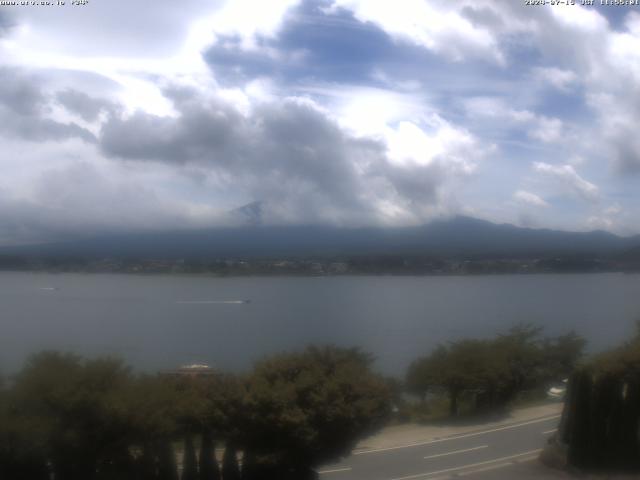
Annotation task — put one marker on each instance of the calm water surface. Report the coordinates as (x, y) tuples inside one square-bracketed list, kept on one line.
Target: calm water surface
[(157, 322)]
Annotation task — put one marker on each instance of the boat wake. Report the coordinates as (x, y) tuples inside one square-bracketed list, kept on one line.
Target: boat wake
[(213, 302)]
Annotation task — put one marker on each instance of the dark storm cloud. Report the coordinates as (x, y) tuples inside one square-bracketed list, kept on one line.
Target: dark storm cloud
[(23, 109), (87, 107)]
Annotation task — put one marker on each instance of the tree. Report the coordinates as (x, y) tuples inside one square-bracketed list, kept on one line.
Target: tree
[(250, 469), (562, 354), (230, 469), (521, 353), (311, 407), (79, 408), (601, 418), (495, 371), (209, 469), (22, 451), (167, 468), (153, 421), (472, 366), (189, 461), (466, 366), (423, 374)]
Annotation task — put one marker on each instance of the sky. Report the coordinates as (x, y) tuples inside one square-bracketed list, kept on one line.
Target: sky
[(144, 115)]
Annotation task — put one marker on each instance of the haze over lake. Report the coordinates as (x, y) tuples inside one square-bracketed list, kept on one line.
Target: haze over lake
[(160, 322)]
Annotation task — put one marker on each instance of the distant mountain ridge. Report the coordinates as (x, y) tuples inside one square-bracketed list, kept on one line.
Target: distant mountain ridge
[(446, 237)]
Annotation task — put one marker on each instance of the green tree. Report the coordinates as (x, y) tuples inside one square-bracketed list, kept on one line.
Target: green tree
[(423, 374), (311, 407), (209, 469), (79, 408), (471, 366), (153, 421), (189, 461), (495, 371), (22, 450), (562, 354), (520, 350), (230, 469), (167, 468), (463, 367)]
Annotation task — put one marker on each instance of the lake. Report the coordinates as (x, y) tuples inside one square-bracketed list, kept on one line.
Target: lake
[(160, 322)]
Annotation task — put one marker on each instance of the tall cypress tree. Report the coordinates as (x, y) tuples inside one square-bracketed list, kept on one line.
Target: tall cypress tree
[(146, 463), (580, 435), (249, 467), (230, 468), (209, 469), (167, 468), (189, 461)]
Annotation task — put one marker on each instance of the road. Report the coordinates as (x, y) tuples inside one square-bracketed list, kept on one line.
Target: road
[(501, 452)]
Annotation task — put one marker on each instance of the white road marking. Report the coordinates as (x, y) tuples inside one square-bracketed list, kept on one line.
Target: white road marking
[(448, 439), (550, 431), (456, 451), (335, 470), (470, 465)]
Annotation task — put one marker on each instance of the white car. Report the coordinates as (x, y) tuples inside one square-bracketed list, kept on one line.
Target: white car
[(558, 392)]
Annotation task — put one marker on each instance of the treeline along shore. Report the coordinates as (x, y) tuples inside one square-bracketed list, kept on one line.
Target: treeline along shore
[(312, 266)]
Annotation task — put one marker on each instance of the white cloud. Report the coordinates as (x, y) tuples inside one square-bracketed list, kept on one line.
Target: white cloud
[(432, 25), (568, 179), (615, 209), (529, 198), (556, 77), (539, 127), (548, 130), (245, 18), (138, 47)]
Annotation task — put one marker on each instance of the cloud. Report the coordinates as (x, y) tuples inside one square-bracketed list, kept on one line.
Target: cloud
[(6, 23), (83, 105), (297, 160), (81, 198), (540, 127), (25, 111), (457, 35), (266, 19), (309, 44), (114, 28), (529, 198), (606, 219), (348, 112), (548, 130), (568, 179), (556, 77)]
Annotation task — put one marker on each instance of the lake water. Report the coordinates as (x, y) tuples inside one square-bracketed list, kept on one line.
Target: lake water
[(159, 322)]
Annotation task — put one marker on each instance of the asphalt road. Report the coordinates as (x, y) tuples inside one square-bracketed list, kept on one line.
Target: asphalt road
[(505, 452)]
